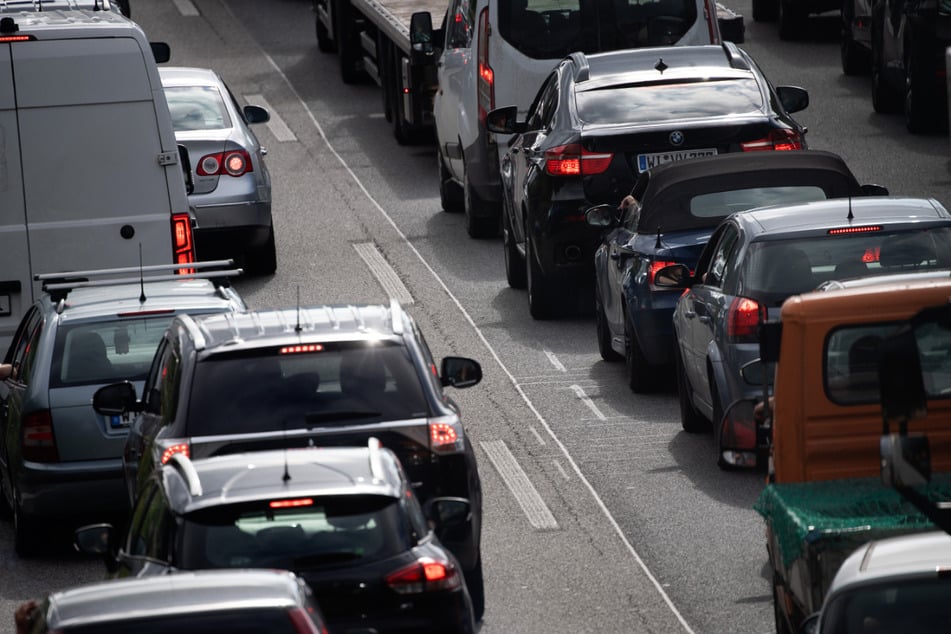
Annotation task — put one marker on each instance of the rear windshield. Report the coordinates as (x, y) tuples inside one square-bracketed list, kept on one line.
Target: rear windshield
[(898, 605), (197, 108), (342, 383), (104, 352), (668, 102), (552, 29), (775, 269), (233, 621), (722, 204), (306, 533)]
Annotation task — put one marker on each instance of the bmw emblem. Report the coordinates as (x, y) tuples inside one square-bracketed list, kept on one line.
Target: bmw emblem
[(676, 137)]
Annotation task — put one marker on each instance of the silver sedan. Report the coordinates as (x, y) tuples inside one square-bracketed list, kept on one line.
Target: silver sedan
[(231, 198)]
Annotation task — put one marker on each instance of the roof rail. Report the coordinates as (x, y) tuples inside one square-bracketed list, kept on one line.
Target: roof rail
[(197, 336), (396, 312), (583, 70), (376, 462), (66, 281), (735, 56), (186, 468)]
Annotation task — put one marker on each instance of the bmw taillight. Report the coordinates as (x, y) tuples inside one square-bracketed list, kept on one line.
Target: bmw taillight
[(230, 163), (170, 451), (574, 160), (446, 434), (777, 139), (743, 320), (486, 76), (425, 575), (39, 442), (182, 242)]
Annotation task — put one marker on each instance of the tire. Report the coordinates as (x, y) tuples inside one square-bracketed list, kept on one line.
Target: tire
[(765, 10), (476, 585), (919, 113), (263, 260), (451, 195), (539, 289), (608, 353), (348, 44), (481, 223), (690, 419), (325, 43), (792, 20), (640, 375), (515, 273)]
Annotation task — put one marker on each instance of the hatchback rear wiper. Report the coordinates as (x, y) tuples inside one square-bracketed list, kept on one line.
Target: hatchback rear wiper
[(324, 417)]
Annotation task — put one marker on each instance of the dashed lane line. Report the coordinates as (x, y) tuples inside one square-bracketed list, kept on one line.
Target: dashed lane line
[(520, 486)]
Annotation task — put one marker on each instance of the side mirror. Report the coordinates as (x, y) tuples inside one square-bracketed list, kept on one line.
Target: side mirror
[(673, 276), (447, 512), (97, 539), (753, 373), (115, 399), (906, 460), (770, 337), (161, 52), (256, 114), (792, 98), (460, 372), (873, 190), (421, 32), (601, 216), (504, 121)]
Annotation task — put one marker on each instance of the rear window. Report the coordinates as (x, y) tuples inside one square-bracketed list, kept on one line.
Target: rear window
[(233, 621), (722, 204), (898, 605), (307, 533), (669, 102), (773, 270), (343, 383), (197, 108), (104, 352), (552, 29)]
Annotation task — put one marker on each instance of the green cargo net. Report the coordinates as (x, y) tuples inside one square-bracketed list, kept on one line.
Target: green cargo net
[(849, 512)]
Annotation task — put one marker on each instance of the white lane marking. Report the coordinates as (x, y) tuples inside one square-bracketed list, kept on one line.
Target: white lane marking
[(599, 501), (383, 272), (185, 7), (554, 360), (541, 441), (518, 483), (561, 470), (579, 392), (275, 124)]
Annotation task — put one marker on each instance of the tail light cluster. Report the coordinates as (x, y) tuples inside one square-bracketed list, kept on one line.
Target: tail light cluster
[(446, 435), (425, 575), (39, 442), (183, 244), (575, 160), (230, 163), (170, 451), (486, 79), (743, 320), (777, 139)]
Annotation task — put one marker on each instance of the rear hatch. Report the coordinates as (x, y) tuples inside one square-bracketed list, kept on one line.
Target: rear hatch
[(206, 143)]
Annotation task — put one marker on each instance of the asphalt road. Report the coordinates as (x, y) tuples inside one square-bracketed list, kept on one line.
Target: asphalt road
[(601, 514)]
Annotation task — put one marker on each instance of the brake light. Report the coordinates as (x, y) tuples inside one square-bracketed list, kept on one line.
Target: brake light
[(778, 139), (15, 38), (871, 254), (311, 347), (303, 623), (231, 163), (574, 160), (291, 504), (743, 319), (182, 242), (446, 435), (425, 575), (844, 230), (486, 81), (652, 269), (39, 442), (181, 448)]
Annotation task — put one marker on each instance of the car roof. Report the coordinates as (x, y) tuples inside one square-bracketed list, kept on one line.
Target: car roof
[(307, 324), (822, 215), (909, 556), (262, 475), (76, 23), (657, 64), (9, 6), (188, 76), (173, 594)]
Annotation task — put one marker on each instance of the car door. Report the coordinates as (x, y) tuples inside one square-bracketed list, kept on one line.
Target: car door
[(456, 96), (618, 260), (149, 538), (14, 389)]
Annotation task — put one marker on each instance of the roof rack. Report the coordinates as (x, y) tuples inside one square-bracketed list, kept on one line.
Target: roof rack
[(52, 5), (733, 54), (583, 70), (376, 462), (186, 468)]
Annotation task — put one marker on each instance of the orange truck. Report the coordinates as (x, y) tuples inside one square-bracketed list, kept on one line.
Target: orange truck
[(824, 495)]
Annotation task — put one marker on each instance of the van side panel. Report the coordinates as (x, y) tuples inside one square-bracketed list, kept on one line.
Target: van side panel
[(90, 148), (15, 273)]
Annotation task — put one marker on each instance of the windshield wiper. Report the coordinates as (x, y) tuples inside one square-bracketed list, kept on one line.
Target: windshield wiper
[(323, 417)]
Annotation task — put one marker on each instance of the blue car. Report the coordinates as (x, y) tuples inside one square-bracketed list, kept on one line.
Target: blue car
[(678, 205)]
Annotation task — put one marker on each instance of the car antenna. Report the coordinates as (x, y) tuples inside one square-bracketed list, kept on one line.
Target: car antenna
[(141, 278), (657, 244), (287, 474), (850, 216), (297, 328)]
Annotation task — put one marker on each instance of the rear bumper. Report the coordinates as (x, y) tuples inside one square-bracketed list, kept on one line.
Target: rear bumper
[(90, 490), (653, 321), (563, 242)]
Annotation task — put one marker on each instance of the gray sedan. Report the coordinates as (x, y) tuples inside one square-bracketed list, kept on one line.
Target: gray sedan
[(231, 198)]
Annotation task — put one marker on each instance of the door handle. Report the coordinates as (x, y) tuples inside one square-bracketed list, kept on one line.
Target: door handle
[(704, 319), (689, 314)]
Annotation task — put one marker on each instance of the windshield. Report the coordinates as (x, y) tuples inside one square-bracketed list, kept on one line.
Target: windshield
[(345, 383), (294, 534)]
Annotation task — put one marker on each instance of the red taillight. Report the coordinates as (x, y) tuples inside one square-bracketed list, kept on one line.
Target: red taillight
[(230, 163), (39, 443), (425, 575), (182, 243), (743, 319), (652, 269), (778, 139), (181, 448), (871, 254), (303, 623), (574, 160), (486, 82), (291, 504)]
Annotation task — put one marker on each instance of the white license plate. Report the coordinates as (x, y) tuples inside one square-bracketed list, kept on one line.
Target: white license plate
[(647, 161)]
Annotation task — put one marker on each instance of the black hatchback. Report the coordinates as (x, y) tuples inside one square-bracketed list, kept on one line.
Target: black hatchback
[(598, 122)]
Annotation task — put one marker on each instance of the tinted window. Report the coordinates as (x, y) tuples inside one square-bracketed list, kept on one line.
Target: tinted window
[(233, 621), (314, 532), (106, 351), (920, 606), (461, 24), (24, 355), (774, 270), (197, 108), (721, 256), (665, 102), (343, 383)]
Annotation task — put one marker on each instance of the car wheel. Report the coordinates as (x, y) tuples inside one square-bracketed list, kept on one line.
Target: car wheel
[(263, 260), (515, 273), (918, 111), (690, 419), (608, 353), (481, 223), (765, 10), (26, 532), (476, 585), (451, 195), (640, 375), (324, 42), (792, 20), (539, 289), (348, 46), (884, 99), (855, 58)]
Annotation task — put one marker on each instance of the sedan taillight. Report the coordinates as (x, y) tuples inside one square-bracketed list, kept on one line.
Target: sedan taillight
[(446, 435), (39, 443), (230, 163), (778, 139), (574, 160), (744, 319), (425, 575)]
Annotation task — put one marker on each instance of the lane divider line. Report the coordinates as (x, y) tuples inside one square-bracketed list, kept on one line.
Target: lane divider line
[(275, 124), (554, 360), (579, 392), (541, 441), (186, 8), (561, 470), (383, 272), (519, 485)]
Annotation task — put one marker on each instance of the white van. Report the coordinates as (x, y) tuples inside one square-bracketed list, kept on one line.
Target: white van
[(497, 53), (119, 6), (90, 172)]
